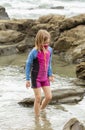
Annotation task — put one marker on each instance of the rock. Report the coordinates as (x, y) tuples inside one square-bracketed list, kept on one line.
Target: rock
[(72, 22), (79, 82), (8, 50), (3, 14), (25, 44), (58, 7), (63, 44), (60, 96), (51, 19), (8, 36), (67, 35), (80, 74), (72, 43), (21, 47), (74, 124), (80, 71), (9, 39), (21, 25)]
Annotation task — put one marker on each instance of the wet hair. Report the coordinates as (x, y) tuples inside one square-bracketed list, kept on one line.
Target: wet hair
[(41, 37)]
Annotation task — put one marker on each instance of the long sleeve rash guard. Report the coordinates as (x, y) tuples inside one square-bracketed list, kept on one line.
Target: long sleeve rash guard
[(39, 63)]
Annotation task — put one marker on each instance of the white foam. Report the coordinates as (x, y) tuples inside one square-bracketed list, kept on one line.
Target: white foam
[(34, 9)]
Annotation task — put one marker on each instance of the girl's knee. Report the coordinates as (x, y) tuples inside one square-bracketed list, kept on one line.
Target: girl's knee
[(49, 97), (38, 99)]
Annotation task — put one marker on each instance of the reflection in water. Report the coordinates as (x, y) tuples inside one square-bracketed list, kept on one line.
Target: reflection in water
[(42, 123)]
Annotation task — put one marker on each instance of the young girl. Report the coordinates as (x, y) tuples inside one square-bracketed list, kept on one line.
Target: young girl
[(39, 64)]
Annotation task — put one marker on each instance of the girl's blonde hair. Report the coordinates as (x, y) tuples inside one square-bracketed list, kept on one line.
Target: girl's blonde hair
[(41, 37)]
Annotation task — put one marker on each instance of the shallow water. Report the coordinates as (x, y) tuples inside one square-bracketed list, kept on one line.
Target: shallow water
[(16, 117), (12, 77), (59, 66)]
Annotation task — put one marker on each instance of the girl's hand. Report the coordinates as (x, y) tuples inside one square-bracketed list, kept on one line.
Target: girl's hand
[(51, 78), (27, 84)]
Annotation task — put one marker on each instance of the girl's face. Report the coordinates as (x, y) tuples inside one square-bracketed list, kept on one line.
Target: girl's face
[(46, 43)]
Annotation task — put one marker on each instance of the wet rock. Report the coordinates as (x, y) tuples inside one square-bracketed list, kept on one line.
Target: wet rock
[(58, 7), (8, 50), (51, 19), (72, 43), (8, 36), (80, 71), (9, 40), (3, 13), (60, 96), (21, 48), (72, 22), (67, 35), (79, 82), (74, 124), (80, 74), (25, 44)]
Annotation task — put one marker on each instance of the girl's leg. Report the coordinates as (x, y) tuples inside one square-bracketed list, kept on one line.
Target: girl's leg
[(37, 92), (48, 96)]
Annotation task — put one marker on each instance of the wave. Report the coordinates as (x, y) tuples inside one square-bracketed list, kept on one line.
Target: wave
[(34, 9)]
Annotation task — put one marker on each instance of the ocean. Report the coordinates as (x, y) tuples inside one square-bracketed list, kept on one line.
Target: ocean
[(12, 77), (12, 90), (16, 117), (33, 9)]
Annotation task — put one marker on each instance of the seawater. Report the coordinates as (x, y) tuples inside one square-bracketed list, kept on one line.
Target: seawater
[(33, 9), (12, 78), (16, 117)]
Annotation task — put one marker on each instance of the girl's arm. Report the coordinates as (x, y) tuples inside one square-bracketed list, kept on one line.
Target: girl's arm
[(50, 66), (50, 74), (29, 62)]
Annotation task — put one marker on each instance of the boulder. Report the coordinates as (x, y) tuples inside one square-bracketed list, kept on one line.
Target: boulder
[(80, 74), (74, 124), (72, 22), (67, 35), (72, 44), (59, 96), (9, 39), (8, 36), (80, 71), (79, 82), (8, 50), (3, 13), (51, 19), (57, 7)]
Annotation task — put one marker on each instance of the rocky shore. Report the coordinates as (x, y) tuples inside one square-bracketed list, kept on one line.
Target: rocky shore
[(67, 38), (67, 41)]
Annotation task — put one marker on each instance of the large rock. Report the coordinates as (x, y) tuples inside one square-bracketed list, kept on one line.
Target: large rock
[(60, 96), (72, 44), (9, 40), (3, 13), (17, 35), (72, 22), (80, 70), (10, 36), (79, 82), (74, 124), (51, 19), (80, 74), (67, 35), (8, 49)]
